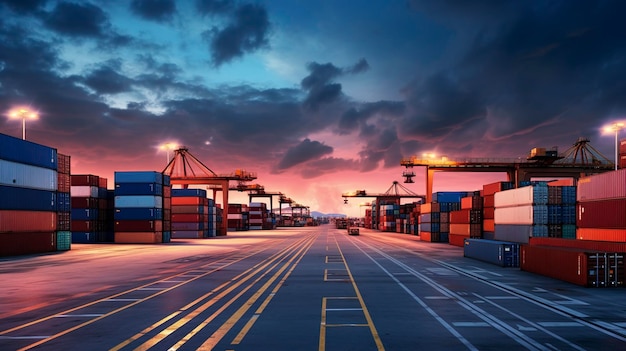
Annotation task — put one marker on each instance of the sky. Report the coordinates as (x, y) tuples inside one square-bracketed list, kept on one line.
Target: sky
[(318, 98)]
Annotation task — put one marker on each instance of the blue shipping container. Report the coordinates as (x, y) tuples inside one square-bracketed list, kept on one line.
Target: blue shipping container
[(519, 233), (450, 196), (139, 177), (12, 198), (84, 237), (501, 253), (138, 189), (64, 202), (138, 214), (27, 176), (23, 151), (138, 201), (84, 214), (189, 192)]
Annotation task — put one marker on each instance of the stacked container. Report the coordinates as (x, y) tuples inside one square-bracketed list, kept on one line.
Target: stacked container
[(435, 216), (237, 217), (139, 207), (28, 197), (488, 193), (521, 213), (601, 209), (258, 215), (429, 223), (388, 214), (368, 218), (64, 209), (466, 222), (561, 211), (89, 209), (190, 213)]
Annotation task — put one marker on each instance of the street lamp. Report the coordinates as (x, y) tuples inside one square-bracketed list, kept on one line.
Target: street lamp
[(615, 127), (24, 114), (168, 147)]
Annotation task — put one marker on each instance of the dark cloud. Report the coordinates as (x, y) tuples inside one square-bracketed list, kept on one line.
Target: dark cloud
[(24, 6), (207, 7), (107, 80), (246, 33), (154, 10), (78, 20), (320, 82), (356, 117), (326, 165), (359, 67), (305, 151)]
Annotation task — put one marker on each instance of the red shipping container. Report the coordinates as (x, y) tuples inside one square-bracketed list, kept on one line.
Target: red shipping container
[(562, 182), (138, 237), (187, 217), (599, 234), (138, 226), (609, 185), (63, 164), (492, 188), (63, 183), (602, 214), (84, 180), (457, 239), (587, 245), (489, 213), (12, 244), (83, 226), (489, 201), (460, 217), (85, 202), (622, 146), (622, 161), (430, 207), (472, 203), (102, 182), (572, 265), (167, 191), (425, 236), (189, 200), (27, 221), (489, 225)]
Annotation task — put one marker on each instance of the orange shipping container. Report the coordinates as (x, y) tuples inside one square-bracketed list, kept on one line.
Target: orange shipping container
[(457, 239), (189, 200), (138, 237), (489, 225), (597, 234)]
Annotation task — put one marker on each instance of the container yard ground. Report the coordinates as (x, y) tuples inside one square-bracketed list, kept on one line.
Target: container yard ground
[(295, 289)]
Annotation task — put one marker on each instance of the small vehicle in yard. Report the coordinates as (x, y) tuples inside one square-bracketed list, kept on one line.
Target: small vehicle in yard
[(353, 231)]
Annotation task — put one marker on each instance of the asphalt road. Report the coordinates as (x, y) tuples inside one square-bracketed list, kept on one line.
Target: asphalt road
[(311, 288)]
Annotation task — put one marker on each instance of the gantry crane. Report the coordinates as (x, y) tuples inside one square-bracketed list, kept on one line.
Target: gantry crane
[(257, 190), (185, 169), (581, 159), (394, 194)]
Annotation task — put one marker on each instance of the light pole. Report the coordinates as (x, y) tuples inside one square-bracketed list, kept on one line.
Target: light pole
[(616, 127), (168, 147), (24, 114)]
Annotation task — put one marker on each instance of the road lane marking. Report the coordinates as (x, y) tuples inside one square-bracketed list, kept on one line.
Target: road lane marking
[(86, 315), (470, 324), (559, 324)]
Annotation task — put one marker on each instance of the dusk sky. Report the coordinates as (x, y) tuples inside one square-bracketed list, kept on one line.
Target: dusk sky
[(317, 97)]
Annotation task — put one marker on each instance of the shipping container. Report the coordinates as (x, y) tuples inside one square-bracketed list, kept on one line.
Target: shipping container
[(189, 192), (63, 183), (138, 177), (610, 213), (488, 201), (524, 214), (536, 194), (466, 216), (188, 201), (63, 164), (456, 239), (26, 152), (519, 233), (451, 196), (85, 180), (189, 226), (85, 202), (12, 198), (138, 226), (577, 266), (600, 234), (602, 186), (138, 214), (85, 214), (27, 221), (500, 253), (489, 212), (64, 240), (188, 234), (122, 189), (85, 237), (12, 244), (472, 203), (586, 245), (138, 201), (201, 209), (27, 176), (138, 237), (492, 188)]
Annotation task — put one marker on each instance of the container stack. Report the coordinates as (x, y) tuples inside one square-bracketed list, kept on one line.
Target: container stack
[(488, 206), (64, 209), (467, 222), (167, 209), (601, 212), (412, 223), (388, 214), (561, 211), (190, 214), (429, 222), (219, 220), (89, 209), (139, 207), (368, 218), (521, 213), (258, 215), (435, 216), (28, 197), (212, 218), (237, 217)]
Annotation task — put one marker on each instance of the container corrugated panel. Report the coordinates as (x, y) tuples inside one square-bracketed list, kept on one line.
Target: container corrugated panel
[(138, 226), (425, 236), (63, 183), (138, 213), (138, 177), (192, 217), (489, 212), (585, 245), (602, 186), (489, 225), (12, 198), (189, 192), (138, 201), (64, 221), (85, 202), (576, 266), (562, 182), (460, 229), (188, 200), (138, 237), (64, 203), (63, 164), (568, 196), (79, 237), (528, 214), (189, 209), (555, 195), (12, 244), (85, 180), (600, 234), (500, 253), (569, 231), (492, 188), (84, 191), (27, 176), (27, 221), (84, 225), (84, 214), (138, 189), (529, 195), (64, 240), (519, 233), (167, 236), (488, 201), (23, 151), (602, 214)]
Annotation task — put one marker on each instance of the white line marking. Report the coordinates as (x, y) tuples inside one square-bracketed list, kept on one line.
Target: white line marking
[(152, 289), (122, 300), (560, 324), (344, 309), (78, 315), (23, 337), (470, 324)]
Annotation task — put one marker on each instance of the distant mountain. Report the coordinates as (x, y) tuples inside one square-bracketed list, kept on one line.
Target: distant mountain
[(320, 214)]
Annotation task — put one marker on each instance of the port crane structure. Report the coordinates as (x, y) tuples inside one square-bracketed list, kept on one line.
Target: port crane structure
[(394, 193), (185, 169), (579, 160)]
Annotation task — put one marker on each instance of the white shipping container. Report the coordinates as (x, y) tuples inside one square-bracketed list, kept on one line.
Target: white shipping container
[(526, 195), (138, 201), (84, 191), (527, 215), (235, 216), (27, 176)]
